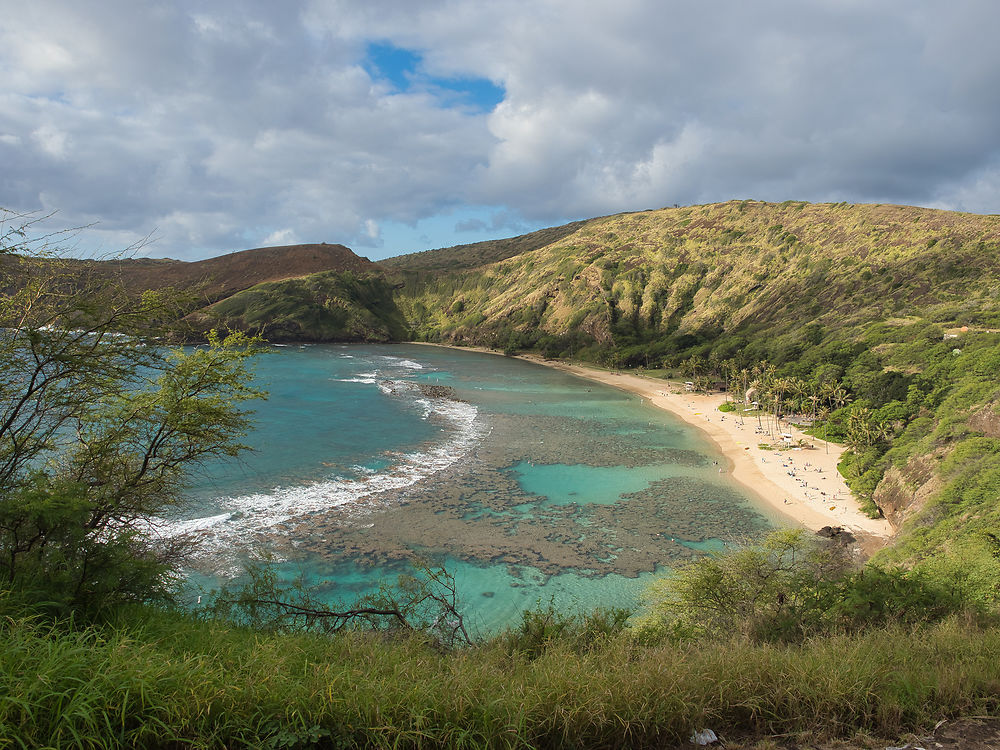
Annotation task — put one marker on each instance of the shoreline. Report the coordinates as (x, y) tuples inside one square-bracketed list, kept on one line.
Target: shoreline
[(802, 485)]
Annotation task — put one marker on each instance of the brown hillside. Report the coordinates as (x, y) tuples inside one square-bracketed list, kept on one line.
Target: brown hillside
[(216, 278), (478, 254)]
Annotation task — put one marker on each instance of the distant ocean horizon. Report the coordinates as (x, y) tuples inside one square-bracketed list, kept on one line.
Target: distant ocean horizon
[(533, 487)]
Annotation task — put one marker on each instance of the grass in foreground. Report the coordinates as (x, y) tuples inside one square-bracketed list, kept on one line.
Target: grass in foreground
[(175, 682)]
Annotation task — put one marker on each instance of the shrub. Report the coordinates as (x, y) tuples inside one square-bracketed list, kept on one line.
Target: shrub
[(794, 585)]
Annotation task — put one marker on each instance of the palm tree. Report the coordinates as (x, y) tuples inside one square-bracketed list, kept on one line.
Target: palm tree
[(744, 376), (864, 431), (798, 388), (824, 414), (839, 397), (814, 400), (757, 388), (780, 387)]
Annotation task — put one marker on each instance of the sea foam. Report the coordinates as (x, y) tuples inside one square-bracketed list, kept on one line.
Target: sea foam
[(246, 519)]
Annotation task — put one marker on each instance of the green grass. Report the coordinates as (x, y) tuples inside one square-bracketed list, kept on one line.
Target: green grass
[(176, 682)]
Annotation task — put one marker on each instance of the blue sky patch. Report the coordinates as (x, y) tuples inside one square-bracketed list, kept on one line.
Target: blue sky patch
[(460, 226), (394, 64), (478, 93), (403, 69)]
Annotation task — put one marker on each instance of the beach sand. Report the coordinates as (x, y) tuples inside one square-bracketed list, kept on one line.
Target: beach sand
[(803, 485)]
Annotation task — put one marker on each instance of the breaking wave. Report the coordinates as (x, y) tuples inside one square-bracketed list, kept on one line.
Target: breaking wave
[(246, 519)]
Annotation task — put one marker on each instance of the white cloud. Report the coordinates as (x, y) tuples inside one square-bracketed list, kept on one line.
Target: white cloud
[(215, 125), (50, 140), (281, 237)]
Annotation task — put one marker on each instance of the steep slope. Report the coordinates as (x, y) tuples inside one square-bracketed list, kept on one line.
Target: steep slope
[(738, 266), (327, 306), (478, 253), (897, 307)]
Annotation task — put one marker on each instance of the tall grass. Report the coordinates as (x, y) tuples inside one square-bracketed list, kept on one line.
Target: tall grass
[(179, 682)]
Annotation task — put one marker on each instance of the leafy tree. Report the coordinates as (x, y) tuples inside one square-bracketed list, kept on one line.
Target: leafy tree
[(792, 585), (100, 425), (755, 590), (864, 430)]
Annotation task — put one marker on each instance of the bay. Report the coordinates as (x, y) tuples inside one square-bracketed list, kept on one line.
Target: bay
[(533, 487)]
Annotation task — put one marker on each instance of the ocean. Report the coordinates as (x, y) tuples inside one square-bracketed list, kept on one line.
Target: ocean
[(531, 486)]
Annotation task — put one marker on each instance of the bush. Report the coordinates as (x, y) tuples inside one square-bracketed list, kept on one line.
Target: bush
[(793, 585), (100, 424), (543, 627)]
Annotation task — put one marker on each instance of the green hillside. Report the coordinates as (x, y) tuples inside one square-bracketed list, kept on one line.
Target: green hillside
[(899, 307), (327, 306), (310, 292), (700, 274), (879, 325)]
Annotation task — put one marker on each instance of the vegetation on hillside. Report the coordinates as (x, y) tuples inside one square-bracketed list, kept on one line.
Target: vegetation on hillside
[(718, 277), (316, 292), (100, 425), (328, 306), (895, 306)]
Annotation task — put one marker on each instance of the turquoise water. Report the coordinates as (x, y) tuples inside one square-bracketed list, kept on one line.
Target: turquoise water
[(531, 486)]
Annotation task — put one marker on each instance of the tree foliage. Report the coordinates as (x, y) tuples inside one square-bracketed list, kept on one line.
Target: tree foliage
[(793, 585), (100, 425)]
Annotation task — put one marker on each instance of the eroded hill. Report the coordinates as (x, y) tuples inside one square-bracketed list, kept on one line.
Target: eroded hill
[(677, 277)]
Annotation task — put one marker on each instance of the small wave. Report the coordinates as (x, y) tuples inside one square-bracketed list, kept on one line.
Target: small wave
[(368, 381), (245, 517), (407, 364), (189, 526)]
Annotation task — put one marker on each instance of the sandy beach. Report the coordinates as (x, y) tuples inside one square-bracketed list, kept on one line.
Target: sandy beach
[(801, 484)]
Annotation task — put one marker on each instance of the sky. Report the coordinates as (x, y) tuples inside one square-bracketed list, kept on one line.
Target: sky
[(188, 129)]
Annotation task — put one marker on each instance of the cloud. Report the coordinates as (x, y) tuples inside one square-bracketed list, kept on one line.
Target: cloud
[(471, 225), (216, 127), (505, 222), (281, 237)]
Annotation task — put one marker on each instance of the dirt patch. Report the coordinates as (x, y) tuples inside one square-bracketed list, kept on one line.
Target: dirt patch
[(987, 420), (976, 733)]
